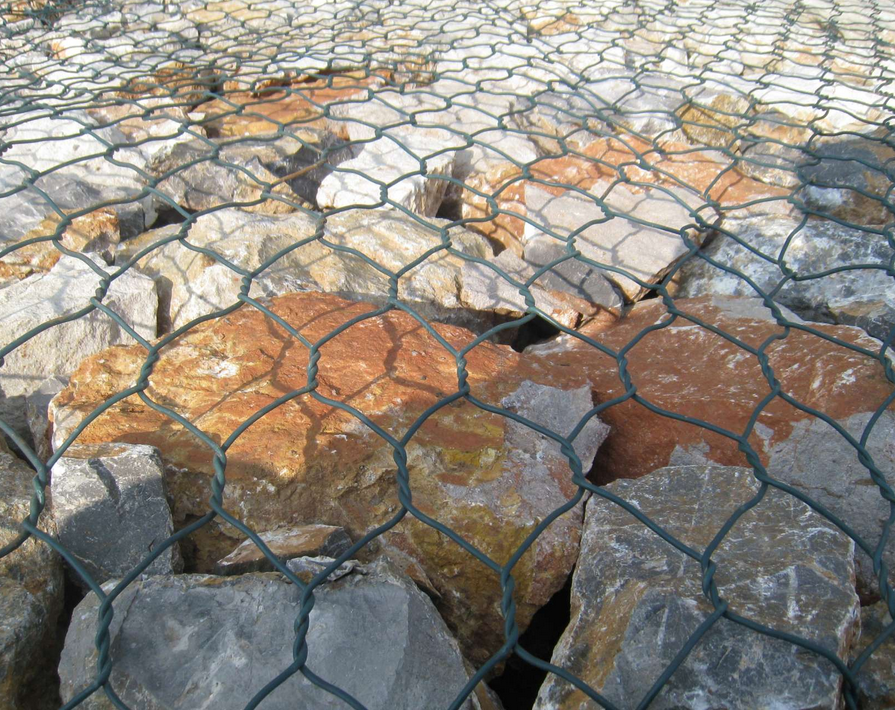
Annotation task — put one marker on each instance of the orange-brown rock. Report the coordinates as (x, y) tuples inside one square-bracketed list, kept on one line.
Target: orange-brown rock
[(689, 371), (264, 111), (96, 231), (488, 478), (627, 157)]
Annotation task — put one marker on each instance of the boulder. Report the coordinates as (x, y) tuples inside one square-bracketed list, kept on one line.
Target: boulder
[(30, 597), (286, 544), (689, 371), (404, 169), (636, 233), (568, 293), (636, 600), (474, 471), (864, 297), (57, 351), (111, 510), (375, 636), (69, 152), (192, 284), (200, 174)]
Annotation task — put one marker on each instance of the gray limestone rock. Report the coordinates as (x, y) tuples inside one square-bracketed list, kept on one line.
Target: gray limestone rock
[(636, 600), (31, 588), (306, 568), (111, 511), (201, 174), (816, 460), (864, 297), (193, 641), (58, 350), (286, 544)]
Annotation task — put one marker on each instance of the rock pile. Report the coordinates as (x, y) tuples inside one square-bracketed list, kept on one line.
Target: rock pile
[(335, 339)]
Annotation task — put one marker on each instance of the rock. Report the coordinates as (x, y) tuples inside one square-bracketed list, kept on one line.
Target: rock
[(68, 151), (636, 600), (36, 411), (286, 544), (403, 169), (192, 284), (298, 107), (876, 679), (375, 636), (670, 164), (64, 290), (199, 176), (689, 371), (472, 470), (622, 237), (567, 293), (712, 123), (30, 597), (306, 568), (111, 510), (863, 297), (850, 179)]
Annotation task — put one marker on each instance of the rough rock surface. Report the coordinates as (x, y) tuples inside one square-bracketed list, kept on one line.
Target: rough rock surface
[(193, 284), (199, 176), (64, 290), (285, 544), (37, 406), (876, 680), (375, 636), (475, 471), (567, 293), (623, 238), (111, 511), (636, 600), (403, 170), (688, 370), (30, 597), (67, 151), (864, 297)]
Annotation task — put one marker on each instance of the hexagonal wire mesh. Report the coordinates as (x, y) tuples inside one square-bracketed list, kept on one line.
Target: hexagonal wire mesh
[(734, 135)]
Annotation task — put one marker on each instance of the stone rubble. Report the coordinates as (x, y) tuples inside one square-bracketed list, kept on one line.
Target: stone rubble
[(431, 157)]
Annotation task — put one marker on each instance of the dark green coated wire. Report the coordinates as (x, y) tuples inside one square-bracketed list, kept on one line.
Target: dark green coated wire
[(497, 28)]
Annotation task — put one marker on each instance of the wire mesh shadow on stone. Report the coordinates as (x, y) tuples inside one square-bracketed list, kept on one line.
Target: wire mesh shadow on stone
[(336, 338)]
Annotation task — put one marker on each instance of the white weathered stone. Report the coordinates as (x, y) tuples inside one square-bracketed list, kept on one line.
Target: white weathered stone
[(58, 350), (641, 236)]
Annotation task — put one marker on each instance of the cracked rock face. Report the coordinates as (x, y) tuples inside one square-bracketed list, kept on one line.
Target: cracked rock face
[(489, 478), (636, 600), (111, 510), (196, 641)]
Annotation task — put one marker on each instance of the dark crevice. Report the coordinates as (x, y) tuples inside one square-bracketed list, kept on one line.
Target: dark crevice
[(169, 215), (518, 686), (537, 330)]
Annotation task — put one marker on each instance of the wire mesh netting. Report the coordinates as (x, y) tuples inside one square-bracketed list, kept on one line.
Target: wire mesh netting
[(440, 274)]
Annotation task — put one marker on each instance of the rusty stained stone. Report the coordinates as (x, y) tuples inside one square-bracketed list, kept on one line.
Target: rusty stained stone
[(690, 371), (309, 462), (264, 110), (97, 231), (704, 172)]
